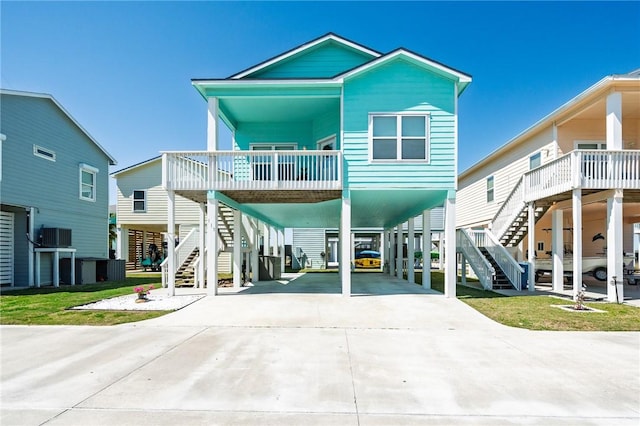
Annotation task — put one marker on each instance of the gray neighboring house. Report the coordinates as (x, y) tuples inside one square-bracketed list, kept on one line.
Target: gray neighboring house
[(53, 178)]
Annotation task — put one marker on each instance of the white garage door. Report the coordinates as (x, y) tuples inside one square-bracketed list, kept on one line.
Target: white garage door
[(6, 248)]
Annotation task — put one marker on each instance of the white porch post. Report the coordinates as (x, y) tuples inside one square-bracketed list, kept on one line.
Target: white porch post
[(255, 250), (31, 259), (212, 247), (201, 246), (615, 287), (171, 246), (426, 249), (441, 251), (266, 241), (384, 250), (392, 251), (281, 249), (212, 124), (531, 246), (450, 273), (614, 122), (345, 242), (557, 248), (237, 249), (274, 243), (577, 241), (411, 238), (399, 251)]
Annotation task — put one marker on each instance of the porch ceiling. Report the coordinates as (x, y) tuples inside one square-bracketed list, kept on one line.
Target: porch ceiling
[(276, 109), (369, 208)]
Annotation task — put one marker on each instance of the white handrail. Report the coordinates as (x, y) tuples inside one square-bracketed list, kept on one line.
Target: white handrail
[(481, 266), (253, 170), (505, 261), (509, 210), (182, 251)]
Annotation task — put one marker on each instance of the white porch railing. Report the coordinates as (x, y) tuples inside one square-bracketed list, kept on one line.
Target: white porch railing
[(481, 266), (182, 251), (507, 263), (587, 169), (252, 170)]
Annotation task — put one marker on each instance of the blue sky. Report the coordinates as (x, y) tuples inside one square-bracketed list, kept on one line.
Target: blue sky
[(123, 69)]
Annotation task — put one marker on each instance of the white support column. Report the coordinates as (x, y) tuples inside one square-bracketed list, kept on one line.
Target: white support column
[(399, 251), (246, 265), (31, 260), (255, 251), (274, 242), (615, 287), (577, 241), (281, 249), (614, 122), (171, 246), (266, 241), (392, 251), (411, 238), (237, 249), (450, 273), (441, 251), (345, 242), (384, 250), (463, 272), (212, 124), (426, 249), (201, 245), (557, 249), (531, 246), (212, 247)]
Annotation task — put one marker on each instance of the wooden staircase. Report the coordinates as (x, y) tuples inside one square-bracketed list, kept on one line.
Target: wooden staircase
[(185, 273), (520, 226), (500, 280)]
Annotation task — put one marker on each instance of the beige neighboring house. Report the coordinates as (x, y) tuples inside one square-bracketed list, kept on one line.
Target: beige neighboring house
[(564, 195), (141, 214)]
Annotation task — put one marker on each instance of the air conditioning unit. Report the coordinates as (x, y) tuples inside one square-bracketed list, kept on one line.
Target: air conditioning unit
[(55, 237)]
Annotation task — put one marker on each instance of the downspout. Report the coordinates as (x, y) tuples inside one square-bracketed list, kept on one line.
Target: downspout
[(31, 214)]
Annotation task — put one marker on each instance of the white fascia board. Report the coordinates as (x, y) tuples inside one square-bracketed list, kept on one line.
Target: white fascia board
[(112, 161), (460, 77), (261, 83), (135, 166), (545, 121), (303, 48)]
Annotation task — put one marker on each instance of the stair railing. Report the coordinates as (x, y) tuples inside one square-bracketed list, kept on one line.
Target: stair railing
[(509, 210), (182, 251), (196, 268), (481, 266), (511, 269)]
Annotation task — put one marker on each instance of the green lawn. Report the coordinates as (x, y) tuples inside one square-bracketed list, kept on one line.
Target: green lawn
[(538, 313), (49, 305)]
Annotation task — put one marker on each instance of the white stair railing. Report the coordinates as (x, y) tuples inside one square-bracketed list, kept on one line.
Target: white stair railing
[(481, 266), (509, 211), (182, 251), (505, 261)]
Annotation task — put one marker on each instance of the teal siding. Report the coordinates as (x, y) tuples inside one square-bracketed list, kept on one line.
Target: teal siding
[(326, 60), (396, 87), (251, 133), (52, 187), (326, 125)]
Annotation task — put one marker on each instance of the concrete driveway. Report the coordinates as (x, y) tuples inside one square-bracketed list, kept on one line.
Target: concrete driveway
[(297, 352)]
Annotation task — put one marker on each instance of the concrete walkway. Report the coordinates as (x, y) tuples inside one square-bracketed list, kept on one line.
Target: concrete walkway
[(297, 352)]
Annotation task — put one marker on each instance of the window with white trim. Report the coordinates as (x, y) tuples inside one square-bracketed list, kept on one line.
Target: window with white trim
[(490, 189), (535, 161), (45, 153), (139, 201), (591, 145), (88, 175), (399, 137)]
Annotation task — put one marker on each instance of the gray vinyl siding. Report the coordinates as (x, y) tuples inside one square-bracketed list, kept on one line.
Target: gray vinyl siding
[(327, 60), (312, 243), (53, 187)]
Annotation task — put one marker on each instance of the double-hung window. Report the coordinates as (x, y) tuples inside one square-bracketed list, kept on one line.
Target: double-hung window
[(139, 201), (535, 161), (489, 189), (88, 176), (399, 137)]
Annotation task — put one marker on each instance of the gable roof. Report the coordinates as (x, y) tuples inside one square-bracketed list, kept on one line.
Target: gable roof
[(112, 161), (586, 96), (463, 78), (135, 166), (303, 48)]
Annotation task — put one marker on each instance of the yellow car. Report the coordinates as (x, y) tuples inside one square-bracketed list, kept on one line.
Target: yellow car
[(367, 259)]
